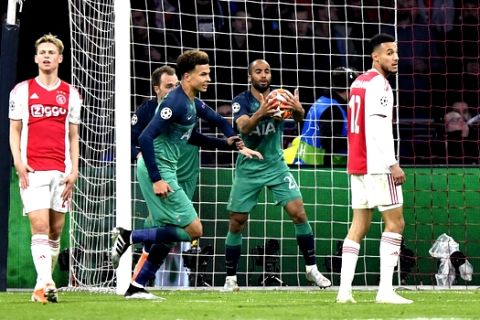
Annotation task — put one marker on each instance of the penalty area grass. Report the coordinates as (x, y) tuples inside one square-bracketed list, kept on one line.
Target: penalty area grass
[(257, 304)]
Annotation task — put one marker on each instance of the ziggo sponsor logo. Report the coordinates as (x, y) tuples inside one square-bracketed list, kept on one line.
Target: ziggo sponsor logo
[(39, 111)]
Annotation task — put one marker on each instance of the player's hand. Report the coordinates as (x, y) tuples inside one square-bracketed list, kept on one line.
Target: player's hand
[(67, 193), (22, 171), (249, 153), (294, 101), (162, 188), (237, 140), (267, 106), (397, 174)]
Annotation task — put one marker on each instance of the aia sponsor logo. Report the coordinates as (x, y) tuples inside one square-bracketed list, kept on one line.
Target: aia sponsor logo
[(40, 111)]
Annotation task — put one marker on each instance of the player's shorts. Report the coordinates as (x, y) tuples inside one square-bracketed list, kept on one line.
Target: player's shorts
[(245, 190), (44, 191), (375, 190), (189, 186), (176, 209)]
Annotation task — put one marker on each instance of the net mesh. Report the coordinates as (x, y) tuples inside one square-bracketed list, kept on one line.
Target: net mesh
[(302, 43)]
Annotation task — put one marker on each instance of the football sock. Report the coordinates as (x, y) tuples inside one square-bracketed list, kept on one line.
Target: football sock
[(42, 259), (55, 251), (139, 265), (157, 255), (233, 249), (389, 252), (165, 234), (350, 252), (306, 243)]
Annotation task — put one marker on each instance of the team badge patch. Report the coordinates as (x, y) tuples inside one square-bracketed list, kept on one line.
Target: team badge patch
[(61, 99), (236, 107), (166, 113), (12, 105), (134, 119)]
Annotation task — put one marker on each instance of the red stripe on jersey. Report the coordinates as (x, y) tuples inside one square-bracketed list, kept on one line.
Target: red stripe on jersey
[(357, 144), (47, 126)]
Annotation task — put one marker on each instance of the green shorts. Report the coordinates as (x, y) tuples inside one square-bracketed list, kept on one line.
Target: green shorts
[(189, 186), (176, 209), (245, 191)]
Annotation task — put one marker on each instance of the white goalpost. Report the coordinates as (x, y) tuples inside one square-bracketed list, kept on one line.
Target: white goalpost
[(101, 50), (115, 49)]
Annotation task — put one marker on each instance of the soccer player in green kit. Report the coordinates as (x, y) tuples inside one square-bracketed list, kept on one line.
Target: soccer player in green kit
[(253, 110), (163, 81), (162, 143)]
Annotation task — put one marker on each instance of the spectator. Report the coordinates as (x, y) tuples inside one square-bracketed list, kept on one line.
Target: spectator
[(326, 47), (462, 108), (324, 135), (143, 54), (439, 13), (416, 49), (297, 51), (460, 147), (238, 47), (202, 21)]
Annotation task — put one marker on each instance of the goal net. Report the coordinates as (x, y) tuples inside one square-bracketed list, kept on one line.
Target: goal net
[(302, 42)]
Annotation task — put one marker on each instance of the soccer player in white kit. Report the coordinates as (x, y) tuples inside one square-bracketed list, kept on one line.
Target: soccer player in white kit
[(375, 174), (44, 118)]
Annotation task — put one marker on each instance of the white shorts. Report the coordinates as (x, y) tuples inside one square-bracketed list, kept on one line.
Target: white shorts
[(375, 190), (44, 191)]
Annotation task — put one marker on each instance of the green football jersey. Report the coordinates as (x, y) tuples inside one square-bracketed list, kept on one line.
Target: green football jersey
[(265, 138)]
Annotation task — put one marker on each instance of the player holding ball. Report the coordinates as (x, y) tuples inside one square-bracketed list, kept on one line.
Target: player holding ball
[(254, 112)]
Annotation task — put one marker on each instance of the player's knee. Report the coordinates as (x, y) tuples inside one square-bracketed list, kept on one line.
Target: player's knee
[(54, 234), (237, 222), (40, 228), (196, 232), (396, 226)]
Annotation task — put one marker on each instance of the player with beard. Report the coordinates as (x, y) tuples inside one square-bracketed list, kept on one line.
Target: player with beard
[(253, 112), (375, 175)]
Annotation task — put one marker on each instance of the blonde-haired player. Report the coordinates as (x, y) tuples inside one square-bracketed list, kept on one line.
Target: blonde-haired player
[(44, 118), (375, 174)]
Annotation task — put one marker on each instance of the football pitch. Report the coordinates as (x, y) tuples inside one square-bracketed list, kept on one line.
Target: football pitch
[(257, 304)]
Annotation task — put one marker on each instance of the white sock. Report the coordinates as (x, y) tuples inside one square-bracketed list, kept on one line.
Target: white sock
[(389, 252), (42, 259), (232, 277), (55, 250), (309, 268), (350, 252)]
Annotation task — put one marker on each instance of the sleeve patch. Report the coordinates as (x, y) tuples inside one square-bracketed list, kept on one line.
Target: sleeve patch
[(236, 107), (166, 113), (134, 119)]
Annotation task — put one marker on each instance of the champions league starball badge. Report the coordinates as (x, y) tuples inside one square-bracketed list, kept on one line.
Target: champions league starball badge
[(236, 107), (166, 113), (134, 119)]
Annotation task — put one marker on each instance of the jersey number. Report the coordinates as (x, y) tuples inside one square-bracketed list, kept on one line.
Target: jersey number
[(354, 104), (291, 181)]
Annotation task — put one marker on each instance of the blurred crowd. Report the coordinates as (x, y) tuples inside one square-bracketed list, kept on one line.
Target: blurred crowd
[(304, 40)]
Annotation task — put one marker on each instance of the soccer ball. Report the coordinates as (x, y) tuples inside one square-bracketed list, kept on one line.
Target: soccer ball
[(280, 95)]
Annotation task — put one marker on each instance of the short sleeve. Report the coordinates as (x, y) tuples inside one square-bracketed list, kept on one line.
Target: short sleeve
[(75, 105), (239, 107), (18, 102), (377, 98)]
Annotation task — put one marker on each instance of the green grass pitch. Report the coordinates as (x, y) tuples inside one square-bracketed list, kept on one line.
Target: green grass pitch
[(258, 304)]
